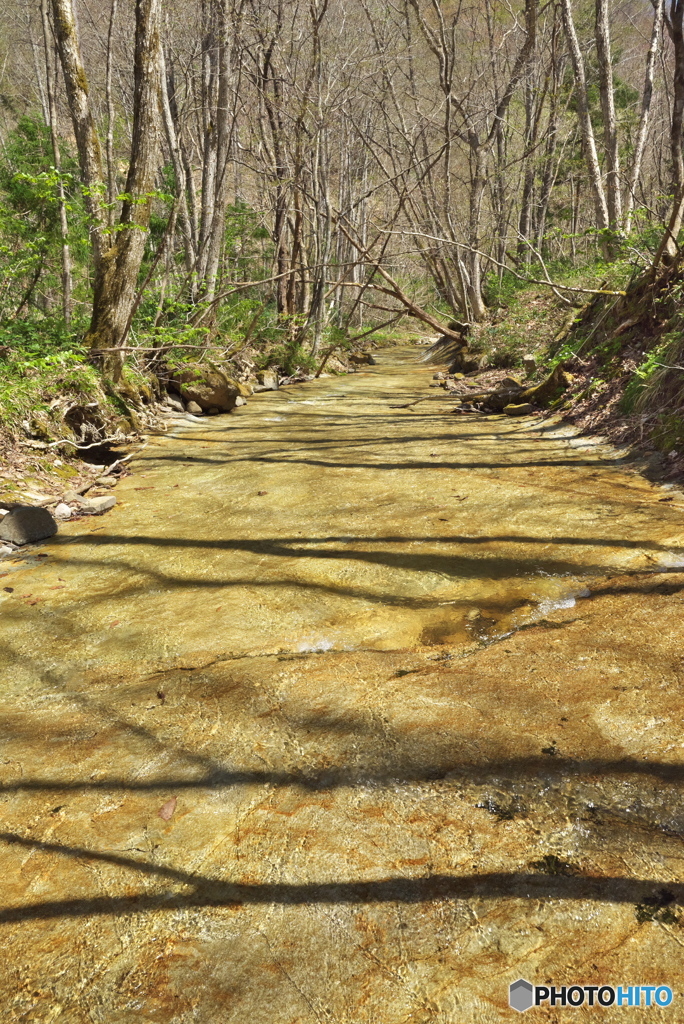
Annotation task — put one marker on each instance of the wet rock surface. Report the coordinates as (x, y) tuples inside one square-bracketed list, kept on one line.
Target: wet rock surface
[(25, 524), (366, 738)]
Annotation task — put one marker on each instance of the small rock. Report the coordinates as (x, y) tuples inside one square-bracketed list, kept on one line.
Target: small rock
[(530, 364), (62, 511), (101, 504), (215, 412), (511, 382), (268, 379), (107, 481), (194, 408), (240, 401), (439, 376), (524, 409), (73, 496), (26, 524), (175, 403), (5, 550), (4, 511)]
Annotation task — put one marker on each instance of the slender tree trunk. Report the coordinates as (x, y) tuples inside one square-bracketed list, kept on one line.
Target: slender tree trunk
[(50, 88), (179, 172), (647, 95), (675, 25), (478, 184), (42, 92), (586, 127), (109, 99), (610, 132), (212, 243), (529, 174), (676, 30), (87, 141), (191, 206)]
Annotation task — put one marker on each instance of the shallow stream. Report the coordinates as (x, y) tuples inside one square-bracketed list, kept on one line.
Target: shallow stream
[(351, 710)]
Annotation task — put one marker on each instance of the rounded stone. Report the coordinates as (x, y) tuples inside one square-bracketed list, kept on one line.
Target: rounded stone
[(26, 524)]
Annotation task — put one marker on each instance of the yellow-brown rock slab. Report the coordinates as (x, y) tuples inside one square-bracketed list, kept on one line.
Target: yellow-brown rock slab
[(364, 748)]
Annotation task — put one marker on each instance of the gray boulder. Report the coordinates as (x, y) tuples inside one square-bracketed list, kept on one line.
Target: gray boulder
[(268, 380), (25, 524)]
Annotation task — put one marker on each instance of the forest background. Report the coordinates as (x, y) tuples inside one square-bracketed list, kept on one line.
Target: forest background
[(268, 181)]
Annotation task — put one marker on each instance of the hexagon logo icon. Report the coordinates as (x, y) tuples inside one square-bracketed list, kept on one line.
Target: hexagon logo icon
[(521, 995)]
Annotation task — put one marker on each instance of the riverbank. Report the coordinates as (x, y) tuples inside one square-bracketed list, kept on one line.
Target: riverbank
[(65, 430)]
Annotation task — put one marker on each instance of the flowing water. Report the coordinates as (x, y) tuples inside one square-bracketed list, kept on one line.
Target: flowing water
[(352, 710)]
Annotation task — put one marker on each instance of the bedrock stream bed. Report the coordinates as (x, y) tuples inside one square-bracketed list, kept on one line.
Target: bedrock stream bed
[(351, 710)]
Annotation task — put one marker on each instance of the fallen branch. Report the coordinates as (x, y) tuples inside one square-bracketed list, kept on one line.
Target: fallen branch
[(666, 367), (395, 291), (82, 447)]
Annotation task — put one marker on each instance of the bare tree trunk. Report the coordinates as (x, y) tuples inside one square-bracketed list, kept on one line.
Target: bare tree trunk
[(478, 183), (109, 99), (87, 142), (526, 220), (191, 224), (179, 171), (42, 92), (218, 122), (675, 25), (116, 265), (550, 163), (647, 95), (586, 127), (57, 157), (610, 132)]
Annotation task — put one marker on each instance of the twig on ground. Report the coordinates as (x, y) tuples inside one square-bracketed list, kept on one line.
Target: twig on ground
[(118, 438)]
